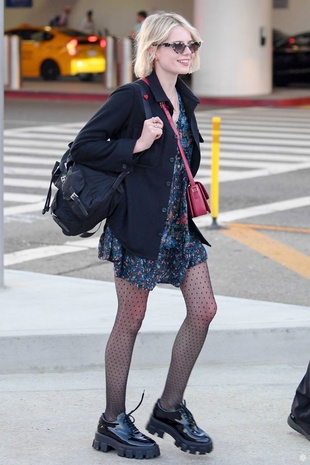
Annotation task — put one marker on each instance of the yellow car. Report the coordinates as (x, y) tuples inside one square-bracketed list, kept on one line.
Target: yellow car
[(51, 52)]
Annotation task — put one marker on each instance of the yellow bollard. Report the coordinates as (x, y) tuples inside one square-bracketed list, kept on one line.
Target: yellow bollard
[(215, 166)]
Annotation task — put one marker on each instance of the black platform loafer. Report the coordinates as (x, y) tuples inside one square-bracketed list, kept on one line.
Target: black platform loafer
[(125, 438), (299, 426), (180, 424)]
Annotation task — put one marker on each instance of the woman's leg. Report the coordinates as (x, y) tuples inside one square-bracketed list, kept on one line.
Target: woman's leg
[(201, 308), (132, 303)]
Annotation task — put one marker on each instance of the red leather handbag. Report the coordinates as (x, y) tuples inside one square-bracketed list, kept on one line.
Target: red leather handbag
[(197, 195)]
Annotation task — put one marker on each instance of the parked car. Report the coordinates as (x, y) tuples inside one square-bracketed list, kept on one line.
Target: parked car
[(291, 59), (278, 37), (50, 52)]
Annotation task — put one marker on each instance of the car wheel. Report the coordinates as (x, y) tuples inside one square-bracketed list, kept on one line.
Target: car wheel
[(86, 77), (49, 70)]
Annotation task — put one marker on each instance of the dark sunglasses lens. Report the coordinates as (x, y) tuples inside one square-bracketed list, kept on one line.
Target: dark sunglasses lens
[(179, 47), (194, 46)]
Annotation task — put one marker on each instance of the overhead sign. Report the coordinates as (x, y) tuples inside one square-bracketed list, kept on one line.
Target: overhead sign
[(18, 3)]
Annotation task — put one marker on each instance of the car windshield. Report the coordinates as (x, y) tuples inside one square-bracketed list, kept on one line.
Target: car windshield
[(279, 37)]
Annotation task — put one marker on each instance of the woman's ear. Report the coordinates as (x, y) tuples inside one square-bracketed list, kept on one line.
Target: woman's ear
[(151, 50)]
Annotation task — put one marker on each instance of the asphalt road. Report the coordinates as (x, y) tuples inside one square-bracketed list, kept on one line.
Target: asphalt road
[(263, 254)]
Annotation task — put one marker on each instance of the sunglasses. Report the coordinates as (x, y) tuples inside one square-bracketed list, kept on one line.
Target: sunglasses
[(179, 47)]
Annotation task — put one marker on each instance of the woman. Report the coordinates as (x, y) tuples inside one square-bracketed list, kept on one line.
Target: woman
[(149, 237)]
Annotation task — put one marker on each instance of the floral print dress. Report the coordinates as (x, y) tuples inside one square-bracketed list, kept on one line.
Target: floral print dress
[(179, 248)]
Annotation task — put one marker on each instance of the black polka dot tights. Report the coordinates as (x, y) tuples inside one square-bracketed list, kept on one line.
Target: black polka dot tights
[(132, 301)]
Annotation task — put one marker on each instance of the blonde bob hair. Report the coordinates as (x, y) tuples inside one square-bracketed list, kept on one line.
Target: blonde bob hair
[(154, 30)]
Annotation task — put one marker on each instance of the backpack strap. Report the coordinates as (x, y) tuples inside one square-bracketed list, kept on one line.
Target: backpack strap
[(55, 175)]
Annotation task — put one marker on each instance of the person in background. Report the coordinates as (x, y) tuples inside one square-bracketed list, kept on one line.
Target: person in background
[(88, 25), (63, 20), (299, 418), (150, 236), (141, 15)]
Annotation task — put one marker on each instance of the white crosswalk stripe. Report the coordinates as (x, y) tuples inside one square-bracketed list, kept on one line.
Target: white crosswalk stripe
[(29, 156), (253, 142), (256, 142)]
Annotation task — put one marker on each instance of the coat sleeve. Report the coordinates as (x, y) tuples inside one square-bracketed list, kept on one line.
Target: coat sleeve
[(107, 141)]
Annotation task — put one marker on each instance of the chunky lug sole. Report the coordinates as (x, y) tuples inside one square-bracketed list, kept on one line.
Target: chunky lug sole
[(157, 427), (105, 444), (297, 428)]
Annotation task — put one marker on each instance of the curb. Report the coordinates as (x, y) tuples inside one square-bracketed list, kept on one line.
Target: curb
[(49, 353), (54, 329)]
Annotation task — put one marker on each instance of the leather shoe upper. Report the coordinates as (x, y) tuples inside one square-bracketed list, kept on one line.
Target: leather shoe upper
[(124, 431), (182, 420)]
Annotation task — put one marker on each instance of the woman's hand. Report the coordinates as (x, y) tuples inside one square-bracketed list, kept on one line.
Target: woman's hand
[(152, 130)]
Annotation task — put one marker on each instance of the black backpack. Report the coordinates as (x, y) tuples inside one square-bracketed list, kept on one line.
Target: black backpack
[(84, 196)]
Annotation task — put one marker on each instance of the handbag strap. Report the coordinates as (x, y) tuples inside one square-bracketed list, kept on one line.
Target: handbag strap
[(175, 130)]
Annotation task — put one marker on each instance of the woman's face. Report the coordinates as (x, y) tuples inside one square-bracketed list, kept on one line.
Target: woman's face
[(167, 60)]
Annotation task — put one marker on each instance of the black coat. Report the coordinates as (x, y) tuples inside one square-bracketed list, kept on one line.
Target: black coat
[(107, 141)]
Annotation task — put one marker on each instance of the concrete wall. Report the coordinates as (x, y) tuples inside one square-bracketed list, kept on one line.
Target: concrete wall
[(294, 19), (118, 16)]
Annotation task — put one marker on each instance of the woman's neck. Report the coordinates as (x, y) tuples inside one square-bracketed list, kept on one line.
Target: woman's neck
[(168, 83)]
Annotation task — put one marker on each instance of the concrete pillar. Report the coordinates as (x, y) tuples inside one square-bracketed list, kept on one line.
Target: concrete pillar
[(236, 54), (110, 75)]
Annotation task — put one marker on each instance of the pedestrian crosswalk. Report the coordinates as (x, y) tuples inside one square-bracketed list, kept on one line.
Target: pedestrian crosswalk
[(29, 156), (254, 142)]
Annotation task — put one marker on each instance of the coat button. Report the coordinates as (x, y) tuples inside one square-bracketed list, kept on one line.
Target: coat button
[(124, 166), (171, 159), (164, 210), (168, 183), (175, 136)]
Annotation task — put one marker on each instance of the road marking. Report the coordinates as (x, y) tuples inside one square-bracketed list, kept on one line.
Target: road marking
[(30, 160), (16, 142), (264, 156), (269, 227), (225, 175), (241, 158), (26, 146), (280, 253), (76, 246), (17, 171), (257, 210), (27, 255), (22, 209), (30, 183), (23, 198), (40, 151)]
